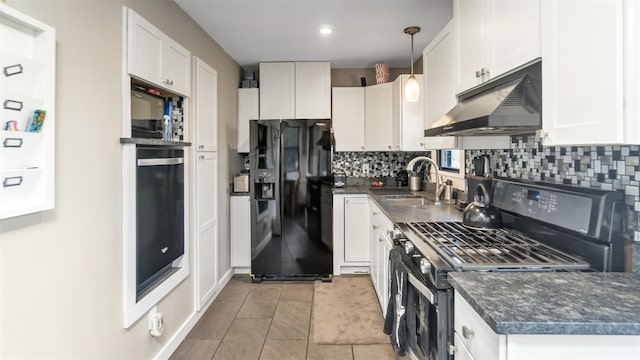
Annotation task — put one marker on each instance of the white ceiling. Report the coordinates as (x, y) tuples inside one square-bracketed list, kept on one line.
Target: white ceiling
[(365, 32)]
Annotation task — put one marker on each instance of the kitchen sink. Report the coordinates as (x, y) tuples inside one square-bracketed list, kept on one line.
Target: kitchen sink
[(410, 201)]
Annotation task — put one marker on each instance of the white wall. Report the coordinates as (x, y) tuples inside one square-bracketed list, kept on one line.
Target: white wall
[(61, 270)]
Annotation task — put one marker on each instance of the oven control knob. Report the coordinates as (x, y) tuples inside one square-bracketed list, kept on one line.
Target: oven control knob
[(408, 247), (425, 266)]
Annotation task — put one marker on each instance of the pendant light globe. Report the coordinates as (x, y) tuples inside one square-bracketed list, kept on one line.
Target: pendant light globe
[(412, 87)]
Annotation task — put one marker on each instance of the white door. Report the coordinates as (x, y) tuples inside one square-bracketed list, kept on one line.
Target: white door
[(145, 48), (240, 231), (378, 117), (277, 90), (356, 229), (313, 90), (176, 67), (470, 44), (206, 105), (248, 109), (582, 91), (348, 118), (206, 244)]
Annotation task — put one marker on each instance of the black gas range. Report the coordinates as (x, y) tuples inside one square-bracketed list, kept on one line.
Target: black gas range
[(545, 228)]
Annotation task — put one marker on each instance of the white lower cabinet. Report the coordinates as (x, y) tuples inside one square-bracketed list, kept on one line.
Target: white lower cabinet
[(380, 246), (206, 241), (240, 232), (350, 234), (474, 339)]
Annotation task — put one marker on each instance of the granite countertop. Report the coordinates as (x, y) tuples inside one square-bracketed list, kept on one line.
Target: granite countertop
[(572, 303), (405, 213)]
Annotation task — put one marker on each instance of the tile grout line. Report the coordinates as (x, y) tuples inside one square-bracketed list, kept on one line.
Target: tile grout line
[(313, 294), (232, 321), (264, 341)]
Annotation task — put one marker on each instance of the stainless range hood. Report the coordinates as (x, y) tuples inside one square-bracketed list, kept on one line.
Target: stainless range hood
[(509, 106)]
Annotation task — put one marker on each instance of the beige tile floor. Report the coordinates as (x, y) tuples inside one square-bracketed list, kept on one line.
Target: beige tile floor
[(266, 321)]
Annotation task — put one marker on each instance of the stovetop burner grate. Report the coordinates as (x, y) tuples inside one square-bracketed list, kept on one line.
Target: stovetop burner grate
[(497, 250)]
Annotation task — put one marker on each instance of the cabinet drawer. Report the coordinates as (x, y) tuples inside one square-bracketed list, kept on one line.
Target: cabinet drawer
[(23, 187), (20, 150), (380, 218), (475, 334)]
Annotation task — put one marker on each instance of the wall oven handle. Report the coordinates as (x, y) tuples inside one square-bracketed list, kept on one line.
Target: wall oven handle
[(160, 161), (422, 288)]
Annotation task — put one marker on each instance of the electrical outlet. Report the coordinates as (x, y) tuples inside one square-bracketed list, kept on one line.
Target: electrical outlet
[(365, 168)]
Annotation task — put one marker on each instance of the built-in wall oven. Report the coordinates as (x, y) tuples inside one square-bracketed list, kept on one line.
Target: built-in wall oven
[(159, 213), (545, 228)]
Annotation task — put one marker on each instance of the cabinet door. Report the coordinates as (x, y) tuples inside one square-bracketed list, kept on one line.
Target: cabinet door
[(145, 49), (356, 225), (348, 118), (206, 244), (373, 253), (176, 69), (461, 352), (469, 19), (277, 90), (408, 117), (582, 91), (513, 35), (378, 115), (385, 277), (248, 109), (240, 231), (439, 84), (206, 106), (313, 90)]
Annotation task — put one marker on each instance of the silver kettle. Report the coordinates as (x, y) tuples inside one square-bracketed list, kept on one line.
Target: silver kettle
[(480, 214)]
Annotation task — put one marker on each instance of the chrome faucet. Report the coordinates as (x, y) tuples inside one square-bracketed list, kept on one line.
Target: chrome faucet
[(417, 159)]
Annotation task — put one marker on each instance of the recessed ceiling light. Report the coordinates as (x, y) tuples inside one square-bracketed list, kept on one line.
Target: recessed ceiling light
[(325, 30)]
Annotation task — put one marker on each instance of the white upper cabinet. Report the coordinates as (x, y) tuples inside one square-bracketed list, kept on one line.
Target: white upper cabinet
[(408, 117), (206, 106), (154, 57), (313, 90), (439, 88), (248, 109), (300, 90), (378, 115), (493, 37), (348, 118), (590, 72), (277, 90)]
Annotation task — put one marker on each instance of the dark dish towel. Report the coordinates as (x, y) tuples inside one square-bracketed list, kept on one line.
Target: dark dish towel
[(400, 320)]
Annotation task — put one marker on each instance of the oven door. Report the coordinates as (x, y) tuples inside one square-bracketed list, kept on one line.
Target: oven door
[(434, 319), (159, 213)]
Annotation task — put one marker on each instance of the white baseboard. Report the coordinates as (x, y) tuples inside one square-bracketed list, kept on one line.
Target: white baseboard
[(181, 334), (242, 270)]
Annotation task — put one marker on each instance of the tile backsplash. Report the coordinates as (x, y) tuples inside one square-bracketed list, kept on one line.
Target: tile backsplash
[(602, 167), (381, 164)]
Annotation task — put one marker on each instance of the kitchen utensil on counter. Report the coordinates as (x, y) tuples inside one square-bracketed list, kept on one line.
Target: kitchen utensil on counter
[(415, 183), (480, 214), (339, 180), (481, 166), (402, 178), (241, 183), (448, 190)]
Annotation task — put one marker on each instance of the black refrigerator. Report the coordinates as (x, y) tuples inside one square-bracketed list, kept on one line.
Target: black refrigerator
[(288, 158)]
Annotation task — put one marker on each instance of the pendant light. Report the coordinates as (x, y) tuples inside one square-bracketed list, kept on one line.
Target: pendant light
[(412, 88)]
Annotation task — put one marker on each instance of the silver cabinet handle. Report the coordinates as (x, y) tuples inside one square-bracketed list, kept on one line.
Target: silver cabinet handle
[(389, 146), (160, 161), (467, 333), (478, 73), (375, 227), (201, 157)]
